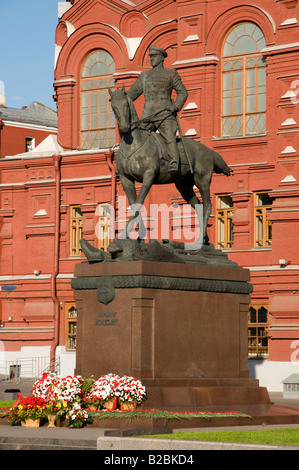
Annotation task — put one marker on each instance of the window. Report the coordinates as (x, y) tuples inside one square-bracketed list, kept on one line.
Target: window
[(224, 221), (71, 326), (97, 118), (76, 230), (263, 227), (103, 228), (257, 330), (29, 144), (243, 82)]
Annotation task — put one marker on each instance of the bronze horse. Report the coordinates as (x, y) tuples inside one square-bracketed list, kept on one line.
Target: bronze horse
[(142, 157)]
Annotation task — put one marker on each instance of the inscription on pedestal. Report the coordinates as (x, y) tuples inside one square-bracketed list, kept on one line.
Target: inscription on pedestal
[(106, 319)]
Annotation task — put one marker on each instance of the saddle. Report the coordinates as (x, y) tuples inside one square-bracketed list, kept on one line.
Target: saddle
[(163, 154), (147, 125)]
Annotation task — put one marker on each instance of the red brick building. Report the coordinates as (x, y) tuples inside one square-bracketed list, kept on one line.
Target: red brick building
[(26, 132), (22, 130), (239, 63)]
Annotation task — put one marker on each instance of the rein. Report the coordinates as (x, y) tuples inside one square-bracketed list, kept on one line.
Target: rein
[(139, 147), (150, 118), (136, 124)]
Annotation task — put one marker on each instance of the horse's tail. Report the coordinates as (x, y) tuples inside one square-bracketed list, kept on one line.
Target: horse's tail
[(220, 166)]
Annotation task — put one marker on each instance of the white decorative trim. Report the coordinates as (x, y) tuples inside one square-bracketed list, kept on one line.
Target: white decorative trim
[(289, 94), (26, 277), (273, 268), (52, 180), (190, 106), (64, 80), (69, 180), (132, 45), (56, 54), (288, 179), (279, 48), (281, 191), (191, 132), (68, 153), (209, 58), (289, 122), (288, 149), (289, 21), (191, 37), (41, 212), (249, 164), (70, 28), (128, 3), (63, 7), (65, 275), (269, 18), (91, 178), (49, 153), (129, 72)]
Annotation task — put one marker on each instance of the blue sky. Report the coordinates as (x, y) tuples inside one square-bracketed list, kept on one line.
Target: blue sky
[(27, 51)]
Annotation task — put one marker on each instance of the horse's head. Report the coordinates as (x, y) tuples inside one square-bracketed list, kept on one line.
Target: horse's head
[(121, 109)]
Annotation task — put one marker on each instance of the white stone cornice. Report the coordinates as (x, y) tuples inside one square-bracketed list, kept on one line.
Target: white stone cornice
[(205, 59), (280, 47)]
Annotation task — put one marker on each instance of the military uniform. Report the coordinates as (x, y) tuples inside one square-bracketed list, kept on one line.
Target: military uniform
[(157, 85)]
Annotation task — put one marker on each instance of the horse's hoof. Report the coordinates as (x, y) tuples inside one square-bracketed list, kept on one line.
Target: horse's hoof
[(91, 252), (115, 248)]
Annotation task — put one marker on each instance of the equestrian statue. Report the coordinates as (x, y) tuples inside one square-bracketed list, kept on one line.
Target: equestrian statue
[(150, 151)]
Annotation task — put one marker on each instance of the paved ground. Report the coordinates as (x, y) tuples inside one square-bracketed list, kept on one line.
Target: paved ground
[(43, 438), (24, 385)]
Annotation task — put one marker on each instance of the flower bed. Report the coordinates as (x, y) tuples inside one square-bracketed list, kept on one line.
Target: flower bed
[(79, 401), (74, 398)]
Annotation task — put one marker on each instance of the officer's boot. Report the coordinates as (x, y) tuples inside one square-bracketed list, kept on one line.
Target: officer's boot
[(173, 152)]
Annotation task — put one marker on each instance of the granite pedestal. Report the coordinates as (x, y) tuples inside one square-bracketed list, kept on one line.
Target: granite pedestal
[(180, 328)]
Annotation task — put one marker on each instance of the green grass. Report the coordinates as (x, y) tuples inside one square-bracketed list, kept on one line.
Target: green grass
[(6, 403), (281, 436)]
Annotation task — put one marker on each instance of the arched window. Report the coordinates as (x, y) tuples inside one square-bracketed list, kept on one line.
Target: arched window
[(97, 118), (243, 82)]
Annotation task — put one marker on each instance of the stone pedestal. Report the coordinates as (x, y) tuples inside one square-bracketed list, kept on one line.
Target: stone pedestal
[(180, 328)]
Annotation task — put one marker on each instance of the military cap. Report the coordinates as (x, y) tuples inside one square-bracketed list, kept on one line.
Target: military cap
[(157, 50)]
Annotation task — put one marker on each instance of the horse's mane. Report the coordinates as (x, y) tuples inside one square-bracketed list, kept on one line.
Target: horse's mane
[(121, 94), (133, 112)]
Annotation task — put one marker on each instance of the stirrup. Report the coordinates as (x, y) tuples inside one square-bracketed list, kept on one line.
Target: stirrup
[(173, 167)]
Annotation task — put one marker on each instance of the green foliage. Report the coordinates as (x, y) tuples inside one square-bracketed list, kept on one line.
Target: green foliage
[(13, 418), (87, 385), (166, 415)]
